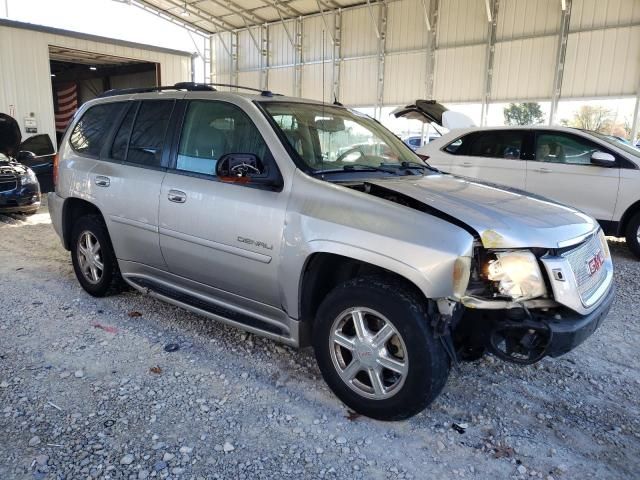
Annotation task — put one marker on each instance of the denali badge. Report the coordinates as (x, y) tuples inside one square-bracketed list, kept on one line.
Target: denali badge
[(248, 241), (595, 263)]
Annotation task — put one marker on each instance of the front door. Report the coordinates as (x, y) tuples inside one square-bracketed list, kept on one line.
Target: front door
[(224, 235), (562, 171)]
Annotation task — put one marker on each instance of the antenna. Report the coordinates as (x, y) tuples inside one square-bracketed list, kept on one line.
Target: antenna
[(324, 80)]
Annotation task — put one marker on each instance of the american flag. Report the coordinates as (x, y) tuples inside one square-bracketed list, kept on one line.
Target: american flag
[(66, 104)]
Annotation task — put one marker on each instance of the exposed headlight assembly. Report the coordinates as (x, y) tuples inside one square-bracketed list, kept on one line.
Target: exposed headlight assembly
[(29, 177), (517, 275)]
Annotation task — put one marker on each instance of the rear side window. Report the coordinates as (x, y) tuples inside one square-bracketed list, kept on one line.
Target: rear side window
[(492, 144), (121, 140), (149, 132), (89, 134), (497, 144)]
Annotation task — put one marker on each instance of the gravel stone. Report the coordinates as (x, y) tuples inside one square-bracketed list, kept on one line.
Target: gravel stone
[(568, 417), (127, 459), (34, 441)]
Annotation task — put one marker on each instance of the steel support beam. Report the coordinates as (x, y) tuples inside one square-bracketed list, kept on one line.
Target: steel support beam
[(233, 67), (264, 57), (635, 125), (432, 22), (563, 37), (297, 77), (382, 42), (492, 16), (336, 54)]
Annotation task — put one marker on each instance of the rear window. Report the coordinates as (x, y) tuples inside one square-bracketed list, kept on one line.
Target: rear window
[(89, 134)]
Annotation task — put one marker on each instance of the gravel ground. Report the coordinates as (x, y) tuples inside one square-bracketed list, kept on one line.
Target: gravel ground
[(88, 391)]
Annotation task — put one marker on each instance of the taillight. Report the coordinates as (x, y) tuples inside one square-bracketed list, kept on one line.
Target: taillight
[(55, 169), (423, 157)]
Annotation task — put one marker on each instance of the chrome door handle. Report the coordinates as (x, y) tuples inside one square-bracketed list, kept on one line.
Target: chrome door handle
[(467, 164), (177, 196), (544, 170), (102, 181)]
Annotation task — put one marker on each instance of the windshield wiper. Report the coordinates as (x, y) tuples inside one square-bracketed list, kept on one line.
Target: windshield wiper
[(368, 168)]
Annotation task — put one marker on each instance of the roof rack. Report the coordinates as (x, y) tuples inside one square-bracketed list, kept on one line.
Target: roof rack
[(264, 93), (188, 86)]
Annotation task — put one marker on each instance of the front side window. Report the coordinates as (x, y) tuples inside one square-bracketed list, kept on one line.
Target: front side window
[(148, 133), (213, 129), (90, 132), (328, 138), (562, 148)]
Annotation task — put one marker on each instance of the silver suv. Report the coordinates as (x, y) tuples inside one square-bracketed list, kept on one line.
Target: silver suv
[(313, 225)]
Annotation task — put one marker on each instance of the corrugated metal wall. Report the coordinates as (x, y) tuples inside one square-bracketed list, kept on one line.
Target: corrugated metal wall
[(25, 79), (602, 58)]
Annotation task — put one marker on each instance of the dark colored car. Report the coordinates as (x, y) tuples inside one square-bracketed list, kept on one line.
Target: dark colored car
[(19, 187)]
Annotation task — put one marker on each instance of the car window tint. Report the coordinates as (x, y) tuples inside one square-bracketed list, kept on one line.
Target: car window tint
[(212, 129), (38, 144), (564, 148), (90, 132), (121, 140), (149, 131), (497, 144)]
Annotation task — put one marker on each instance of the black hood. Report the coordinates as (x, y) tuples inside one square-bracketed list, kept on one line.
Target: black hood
[(10, 136)]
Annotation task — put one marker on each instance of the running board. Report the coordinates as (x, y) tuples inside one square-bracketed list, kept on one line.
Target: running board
[(209, 309)]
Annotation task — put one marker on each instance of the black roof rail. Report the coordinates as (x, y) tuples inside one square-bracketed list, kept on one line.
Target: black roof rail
[(188, 86), (264, 93)]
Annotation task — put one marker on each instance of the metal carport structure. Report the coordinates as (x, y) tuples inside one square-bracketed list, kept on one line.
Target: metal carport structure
[(389, 52)]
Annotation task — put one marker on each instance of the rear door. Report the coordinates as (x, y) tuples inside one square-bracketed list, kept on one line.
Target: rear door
[(561, 170), (491, 155), (224, 235), (127, 183)]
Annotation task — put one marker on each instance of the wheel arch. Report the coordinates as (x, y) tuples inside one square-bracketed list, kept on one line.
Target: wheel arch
[(72, 209), (325, 269), (626, 217)]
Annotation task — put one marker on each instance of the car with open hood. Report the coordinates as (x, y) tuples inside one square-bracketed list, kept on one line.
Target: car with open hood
[(313, 225), (595, 173), (19, 186)]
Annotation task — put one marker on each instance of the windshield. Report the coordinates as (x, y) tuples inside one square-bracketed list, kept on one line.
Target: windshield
[(617, 143), (328, 138)]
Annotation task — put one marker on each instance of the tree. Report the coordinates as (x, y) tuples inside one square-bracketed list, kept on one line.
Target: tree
[(523, 114), (597, 119)]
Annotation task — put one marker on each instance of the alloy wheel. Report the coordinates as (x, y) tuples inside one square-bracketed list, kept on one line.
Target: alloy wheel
[(368, 353), (90, 257)]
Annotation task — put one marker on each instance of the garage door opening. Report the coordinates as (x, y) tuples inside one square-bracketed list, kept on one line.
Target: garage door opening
[(79, 76)]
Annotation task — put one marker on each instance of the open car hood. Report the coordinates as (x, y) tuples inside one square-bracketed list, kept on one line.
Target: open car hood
[(502, 218), (430, 111)]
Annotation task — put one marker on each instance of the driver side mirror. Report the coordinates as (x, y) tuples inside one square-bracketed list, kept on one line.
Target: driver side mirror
[(25, 156), (246, 168), (603, 159)]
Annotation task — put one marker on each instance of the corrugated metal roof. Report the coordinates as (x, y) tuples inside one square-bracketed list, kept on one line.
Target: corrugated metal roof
[(213, 16)]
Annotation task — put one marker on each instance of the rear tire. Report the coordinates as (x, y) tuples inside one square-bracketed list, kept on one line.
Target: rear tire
[(94, 260), (399, 368), (633, 235)]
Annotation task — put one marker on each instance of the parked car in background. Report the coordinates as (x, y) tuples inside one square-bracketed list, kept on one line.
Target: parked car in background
[(592, 172), (38, 153), (19, 188), (239, 207), (414, 142)]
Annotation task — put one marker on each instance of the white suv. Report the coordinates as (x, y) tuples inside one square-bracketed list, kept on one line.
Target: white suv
[(586, 170)]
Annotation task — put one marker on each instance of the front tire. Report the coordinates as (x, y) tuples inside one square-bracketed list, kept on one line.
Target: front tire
[(376, 350), (94, 260), (633, 235)]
